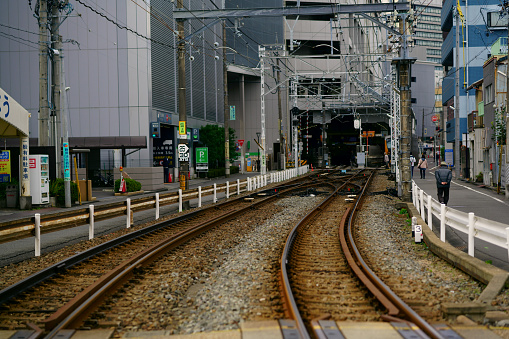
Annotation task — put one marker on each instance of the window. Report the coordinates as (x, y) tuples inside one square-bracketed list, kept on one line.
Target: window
[(437, 60), (430, 51), (488, 94)]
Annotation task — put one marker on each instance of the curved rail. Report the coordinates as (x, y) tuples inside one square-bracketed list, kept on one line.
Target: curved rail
[(380, 290), (75, 311), (288, 297)]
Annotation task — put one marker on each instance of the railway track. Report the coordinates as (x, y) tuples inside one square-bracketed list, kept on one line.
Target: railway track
[(71, 290), (325, 277)]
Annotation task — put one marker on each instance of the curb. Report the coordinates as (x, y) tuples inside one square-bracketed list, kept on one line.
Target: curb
[(495, 278)]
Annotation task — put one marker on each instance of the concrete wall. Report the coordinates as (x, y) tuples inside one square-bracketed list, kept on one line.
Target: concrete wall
[(150, 178)]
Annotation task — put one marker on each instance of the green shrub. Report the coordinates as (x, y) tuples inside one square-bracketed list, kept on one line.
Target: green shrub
[(479, 177), (131, 185), (57, 189)]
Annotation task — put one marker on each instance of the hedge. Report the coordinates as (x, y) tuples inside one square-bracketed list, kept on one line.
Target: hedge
[(131, 185), (57, 189)]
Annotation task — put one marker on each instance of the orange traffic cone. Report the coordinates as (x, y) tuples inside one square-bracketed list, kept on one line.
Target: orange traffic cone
[(312, 168), (169, 178)]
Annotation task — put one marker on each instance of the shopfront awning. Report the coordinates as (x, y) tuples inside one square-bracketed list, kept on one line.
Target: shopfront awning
[(13, 117)]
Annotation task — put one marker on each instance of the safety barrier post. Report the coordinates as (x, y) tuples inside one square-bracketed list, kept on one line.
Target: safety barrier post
[(227, 190), (37, 235), (157, 206), (442, 222), (421, 198), (414, 222), (238, 187), (248, 185), (258, 182), (413, 193), (430, 213), (471, 232), (199, 196), (180, 200), (215, 193), (91, 222), (265, 179), (128, 212)]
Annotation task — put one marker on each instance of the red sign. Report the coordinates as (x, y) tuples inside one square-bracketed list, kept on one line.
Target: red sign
[(31, 163), (241, 142), (434, 118)]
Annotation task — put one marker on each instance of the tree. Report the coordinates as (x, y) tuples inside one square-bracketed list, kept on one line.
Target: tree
[(212, 136)]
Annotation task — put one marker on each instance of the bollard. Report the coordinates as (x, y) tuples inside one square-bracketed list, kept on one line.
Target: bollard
[(227, 190), (157, 206), (471, 234), (430, 213), (442, 222), (91, 222), (199, 196), (180, 200), (418, 234), (37, 235), (414, 222), (128, 213), (238, 186), (215, 193)]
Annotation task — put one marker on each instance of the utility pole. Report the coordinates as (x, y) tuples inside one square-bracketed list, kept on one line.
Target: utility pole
[(56, 40), (43, 75), (226, 107), (263, 167), (404, 63), (457, 100), (280, 111), (184, 165)]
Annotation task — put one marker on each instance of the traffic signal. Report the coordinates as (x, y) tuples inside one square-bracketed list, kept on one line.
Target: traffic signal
[(155, 130)]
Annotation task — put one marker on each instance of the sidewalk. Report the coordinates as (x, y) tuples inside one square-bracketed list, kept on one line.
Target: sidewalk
[(468, 196)]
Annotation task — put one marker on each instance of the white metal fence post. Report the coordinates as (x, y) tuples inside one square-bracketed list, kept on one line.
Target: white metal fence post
[(180, 200), (421, 202), (157, 206), (442, 222), (37, 235), (215, 193), (128, 212), (199, 196), (471, 237), (91, 222), (227, 190), (430, 213), (414, 222), (413, 194), (238, 186)]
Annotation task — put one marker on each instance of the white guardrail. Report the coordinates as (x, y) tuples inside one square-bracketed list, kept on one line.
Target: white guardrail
[(493, 232), (251, 183)]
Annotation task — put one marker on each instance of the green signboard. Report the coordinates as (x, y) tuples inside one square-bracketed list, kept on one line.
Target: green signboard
[(202, 159)]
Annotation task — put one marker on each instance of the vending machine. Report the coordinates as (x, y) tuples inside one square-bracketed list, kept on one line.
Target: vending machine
[(38, 166)]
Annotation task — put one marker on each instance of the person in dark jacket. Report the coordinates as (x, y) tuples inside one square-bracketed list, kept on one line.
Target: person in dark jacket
[(443, 176)]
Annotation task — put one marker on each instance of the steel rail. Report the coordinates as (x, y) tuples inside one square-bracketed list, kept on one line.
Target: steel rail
[(377, 287), (36, 278), (288, 298), (75, 311)]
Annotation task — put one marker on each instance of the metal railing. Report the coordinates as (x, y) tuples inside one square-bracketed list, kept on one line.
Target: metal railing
[(40, 224), (474, 227)]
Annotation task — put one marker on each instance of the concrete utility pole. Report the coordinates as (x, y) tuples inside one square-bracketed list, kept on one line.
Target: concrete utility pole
[(403, 63), (457, 169), (184, 165), (263, 165), (226, 108), (282, 157), (56, 40), (43, 75)]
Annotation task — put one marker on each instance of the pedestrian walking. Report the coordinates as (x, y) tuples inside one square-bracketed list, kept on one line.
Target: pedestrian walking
[(386, 159), (412, 163), (443, 176), (422, 165)]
